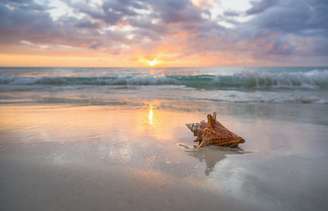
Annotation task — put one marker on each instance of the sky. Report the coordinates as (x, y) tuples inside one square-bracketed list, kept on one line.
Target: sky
[(163, 33)]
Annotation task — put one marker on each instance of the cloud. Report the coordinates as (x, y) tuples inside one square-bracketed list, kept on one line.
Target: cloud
[(261, 6), (231, 13), (20, 18), (268, 30), (303, 20)]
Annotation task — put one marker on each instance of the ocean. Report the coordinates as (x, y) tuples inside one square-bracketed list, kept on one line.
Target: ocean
[(122, 85)]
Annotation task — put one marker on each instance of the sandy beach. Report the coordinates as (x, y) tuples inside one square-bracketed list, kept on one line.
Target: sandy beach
[(73, 157)]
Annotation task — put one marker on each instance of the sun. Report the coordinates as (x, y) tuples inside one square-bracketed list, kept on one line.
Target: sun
[(152, 62)]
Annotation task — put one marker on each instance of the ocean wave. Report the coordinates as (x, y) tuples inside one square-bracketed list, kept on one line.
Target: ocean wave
[(314, 79)]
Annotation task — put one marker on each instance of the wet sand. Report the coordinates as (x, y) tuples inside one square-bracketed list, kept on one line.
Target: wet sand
[(69, 157)]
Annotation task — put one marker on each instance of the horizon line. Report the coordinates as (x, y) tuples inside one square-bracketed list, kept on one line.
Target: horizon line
[(174, 67)]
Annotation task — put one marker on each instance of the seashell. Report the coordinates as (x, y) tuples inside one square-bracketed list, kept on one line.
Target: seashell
[(213, 132)]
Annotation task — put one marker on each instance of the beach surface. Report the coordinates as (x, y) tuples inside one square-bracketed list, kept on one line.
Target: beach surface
[(139, 157)]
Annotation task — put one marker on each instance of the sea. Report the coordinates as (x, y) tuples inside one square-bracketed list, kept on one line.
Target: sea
[(283, 85)]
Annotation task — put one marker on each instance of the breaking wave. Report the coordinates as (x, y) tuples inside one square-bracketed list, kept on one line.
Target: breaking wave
[(314, 79)]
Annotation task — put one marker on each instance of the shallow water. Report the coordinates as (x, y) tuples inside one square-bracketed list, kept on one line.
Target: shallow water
[(127, 156)]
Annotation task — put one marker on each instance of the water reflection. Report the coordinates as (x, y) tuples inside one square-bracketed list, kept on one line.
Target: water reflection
[(211, 155), (150, 115), (93, 123)]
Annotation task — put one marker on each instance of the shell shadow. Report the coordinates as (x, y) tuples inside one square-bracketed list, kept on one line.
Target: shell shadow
[(211, 155)]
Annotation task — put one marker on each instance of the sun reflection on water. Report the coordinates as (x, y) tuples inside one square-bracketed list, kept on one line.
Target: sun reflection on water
[(150, 115)]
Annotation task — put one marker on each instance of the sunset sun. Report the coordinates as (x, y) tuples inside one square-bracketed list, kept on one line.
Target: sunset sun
[(152, 62)]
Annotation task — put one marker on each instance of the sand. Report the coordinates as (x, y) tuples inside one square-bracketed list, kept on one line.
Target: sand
[(73, 157)]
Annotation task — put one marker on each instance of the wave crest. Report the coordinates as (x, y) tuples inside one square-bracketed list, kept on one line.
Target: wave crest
[(244, 80)]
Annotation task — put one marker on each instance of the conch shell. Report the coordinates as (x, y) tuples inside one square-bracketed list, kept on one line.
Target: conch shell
[(213, 132)]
